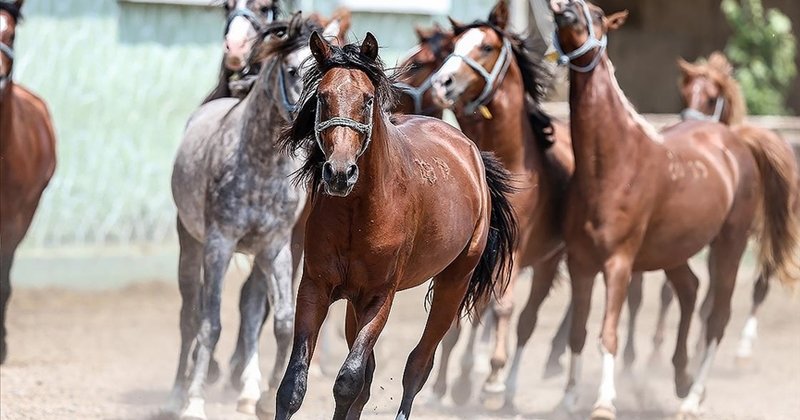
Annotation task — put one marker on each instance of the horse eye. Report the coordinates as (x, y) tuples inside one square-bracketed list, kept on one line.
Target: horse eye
[(487, 48), (265, 10), (292, 71)]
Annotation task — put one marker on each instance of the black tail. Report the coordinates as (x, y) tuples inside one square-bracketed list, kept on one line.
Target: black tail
[(494, 268)]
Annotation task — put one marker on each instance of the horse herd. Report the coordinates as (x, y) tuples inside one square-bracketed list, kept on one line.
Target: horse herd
[(334, 174)]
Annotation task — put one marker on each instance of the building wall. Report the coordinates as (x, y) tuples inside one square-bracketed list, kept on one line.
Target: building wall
[(657, 32)]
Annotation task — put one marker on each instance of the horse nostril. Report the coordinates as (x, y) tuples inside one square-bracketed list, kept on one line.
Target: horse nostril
[(352, 173), (327, 172), (448, 81)]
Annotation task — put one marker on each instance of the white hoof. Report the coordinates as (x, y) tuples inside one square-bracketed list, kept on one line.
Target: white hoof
[(195, 410)]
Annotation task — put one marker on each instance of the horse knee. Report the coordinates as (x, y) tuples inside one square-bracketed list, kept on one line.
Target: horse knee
[(284, 325)]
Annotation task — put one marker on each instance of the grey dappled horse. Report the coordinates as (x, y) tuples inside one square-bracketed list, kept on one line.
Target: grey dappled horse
[(233, 192)]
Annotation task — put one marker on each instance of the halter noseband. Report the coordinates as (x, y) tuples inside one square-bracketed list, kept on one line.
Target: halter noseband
[(693, 114), (365, 129), (591, 43), (498, 72)]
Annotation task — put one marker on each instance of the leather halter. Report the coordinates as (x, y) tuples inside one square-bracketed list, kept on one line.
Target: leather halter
[(8, 52), (693, 114), (591, 43), (365, 129), (248, 14)]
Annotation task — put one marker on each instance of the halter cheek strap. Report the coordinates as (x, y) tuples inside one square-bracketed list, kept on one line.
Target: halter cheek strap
[(365, 129), (693, 114), (498, 72), (249, 15), (591, 43), (7, 51), (417, 92)]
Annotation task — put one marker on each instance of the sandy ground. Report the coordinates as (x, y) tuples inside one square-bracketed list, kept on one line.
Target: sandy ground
[(112, 355)]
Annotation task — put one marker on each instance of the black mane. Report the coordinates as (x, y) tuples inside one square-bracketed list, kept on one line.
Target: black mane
[(299, 136), (13, 10), (535, 77)]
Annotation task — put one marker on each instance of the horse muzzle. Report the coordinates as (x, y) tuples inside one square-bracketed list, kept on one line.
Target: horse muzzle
[(339, 179)]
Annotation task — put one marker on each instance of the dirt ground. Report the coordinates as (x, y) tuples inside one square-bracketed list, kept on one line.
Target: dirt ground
[(112, 355)]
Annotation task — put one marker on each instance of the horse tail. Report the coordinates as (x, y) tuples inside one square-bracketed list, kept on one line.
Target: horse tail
[(778, 222), (493, 271)]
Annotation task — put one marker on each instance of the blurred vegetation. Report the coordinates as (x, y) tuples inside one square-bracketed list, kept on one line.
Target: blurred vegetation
[(762, 48)]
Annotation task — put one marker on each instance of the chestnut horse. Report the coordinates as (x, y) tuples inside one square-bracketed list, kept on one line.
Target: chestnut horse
[(450, 220), (636, 193), (27, 157), (710, 92), (494, 84)]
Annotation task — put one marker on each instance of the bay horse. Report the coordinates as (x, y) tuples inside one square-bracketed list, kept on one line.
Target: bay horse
[(230, 185), (710, 92), (450, 220), (494, 83), (636, 193), (419, 65), (27, 157)]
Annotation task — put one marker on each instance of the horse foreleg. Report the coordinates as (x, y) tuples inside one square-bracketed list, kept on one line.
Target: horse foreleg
[(617, 275), (448, 292), (252, 295), (558, 345), (356, 372), (543, 276), (217, 253), (190, 262), (462, 389), (5, 292), (658, 336), (314, 300), (634, 303), (685, 284), (750, 331), (582, 280), (503, 308), (280, 294)]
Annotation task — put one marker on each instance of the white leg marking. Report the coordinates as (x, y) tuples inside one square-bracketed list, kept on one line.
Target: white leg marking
[(570, 401), (691, 404), (607, 392), (251, 380), (195, 409), (400, 416), (749, 335)]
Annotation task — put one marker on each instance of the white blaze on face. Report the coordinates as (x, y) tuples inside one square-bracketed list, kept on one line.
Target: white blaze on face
[(3, 23), (239, 39), (468, 42)]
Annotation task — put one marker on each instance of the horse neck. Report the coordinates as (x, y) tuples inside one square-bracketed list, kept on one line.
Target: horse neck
[(508, 132), (378, 163), (262, 119), (608, 135), (6, 115)]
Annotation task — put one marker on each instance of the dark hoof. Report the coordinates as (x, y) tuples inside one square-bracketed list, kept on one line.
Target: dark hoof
[(462, 390), (213, 372), (683, 384), (552, 369)]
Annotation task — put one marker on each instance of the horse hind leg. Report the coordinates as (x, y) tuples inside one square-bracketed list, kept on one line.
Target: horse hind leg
[(723, 261), (281, 298), (462, 389), (658, 336), (558, 346), (503, 308), (543, 276), (449, 289), (190, 262), (634, 304), (685, 284), (744, 351), (6, 259), (448, 343), (582, 281)]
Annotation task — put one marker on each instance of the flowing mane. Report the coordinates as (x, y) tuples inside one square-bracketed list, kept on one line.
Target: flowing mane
[(718, 69), (536, 77), (298, 138)]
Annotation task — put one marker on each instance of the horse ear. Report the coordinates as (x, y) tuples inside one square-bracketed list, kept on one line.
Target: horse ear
[(419, 32), (369, 47), (499, 15), (687, 68), (616, 20), (320, 48), (457, 25), (18, 4), (338, 26), (295, 23)]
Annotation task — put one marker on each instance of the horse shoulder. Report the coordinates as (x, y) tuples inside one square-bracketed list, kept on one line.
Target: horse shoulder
[(37, 138)]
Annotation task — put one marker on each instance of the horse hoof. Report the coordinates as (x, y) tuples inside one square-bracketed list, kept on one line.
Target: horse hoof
[(743, 362), (213, 372), (493, 397), (462, 390), (265, 407), (602, 412), (246, 406), (439, 391), (683, 384)]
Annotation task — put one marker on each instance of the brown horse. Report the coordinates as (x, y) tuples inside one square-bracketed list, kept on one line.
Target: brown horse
[(415, 83), (27, 157), (710, 92), (450, 220), (490, 81), (637, 193)]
